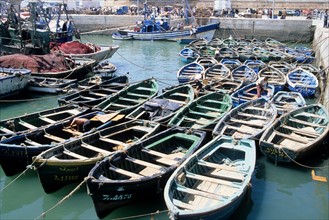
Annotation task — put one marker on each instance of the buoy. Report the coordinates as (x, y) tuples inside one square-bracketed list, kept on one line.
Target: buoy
[(318, 178)]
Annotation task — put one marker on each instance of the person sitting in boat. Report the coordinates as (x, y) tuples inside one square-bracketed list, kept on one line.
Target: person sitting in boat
[(82, 124), (198, 88), (261, 85)]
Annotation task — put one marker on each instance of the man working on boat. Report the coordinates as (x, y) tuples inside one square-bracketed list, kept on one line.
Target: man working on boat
[(82, 124), (261, 85)]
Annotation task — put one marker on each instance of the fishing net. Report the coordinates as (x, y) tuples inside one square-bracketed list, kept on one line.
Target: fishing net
[(75, 47), (37, 63)]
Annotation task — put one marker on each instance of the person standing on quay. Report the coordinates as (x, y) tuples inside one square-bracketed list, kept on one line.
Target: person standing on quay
[(284, 14), (325, 19)]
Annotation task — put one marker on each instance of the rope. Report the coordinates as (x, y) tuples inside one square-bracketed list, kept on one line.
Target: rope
[(28, 100), (142, 215), (63, 199), (14, 180)]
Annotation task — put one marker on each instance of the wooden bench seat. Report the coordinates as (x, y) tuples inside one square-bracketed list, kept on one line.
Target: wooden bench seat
[(54, 138), (116, 142), (126, 172), (138, 94), (96, 149), (47, 120), (27, 125), (306, 123), (75, 155), (198, 193), (210, 179), (143, 163)]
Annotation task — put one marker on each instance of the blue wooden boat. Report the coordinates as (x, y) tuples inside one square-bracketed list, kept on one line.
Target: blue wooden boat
[(129, 98), (275, 77), (217, 72), (190, 72), (49, 85), (105, 69), (231, 63), (299, 57), (33, 121), (204, 112), (212, 183), (249, 92), (141, 171), (302, 81), (13, 81), (164, 106), (296, 134), (16, 152), (76, 158), (282, 66), (287, 101), (244, 73), (188, 55), (248, 120), (245, 53), (228, 53), (256, 65), (206, 62)]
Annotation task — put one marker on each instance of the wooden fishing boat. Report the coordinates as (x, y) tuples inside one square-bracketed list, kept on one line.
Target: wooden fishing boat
[(71, 162), (273, 43), (299, 57), (163, 107), (131, 97), (217, 72), (302, 81), (296, 134), (190, 72), (275, 77), (215, 42), (288, 101), (105, 69), (141, 171), (211, 183), (188, 55), (231, 63), (305, 50), (117, 36), (262, 54), (89, 98), (309, 67), (228, 53), (13, 81), (247, 121), (245, 54), (282, 66), (204, 112), (49, 85), (256, 65), (249, 92), (227, 85), (206, 62), (207, 51), (17, 151), (279, 55), (229, 42), (244, 73), (197, 43), (36, 120)]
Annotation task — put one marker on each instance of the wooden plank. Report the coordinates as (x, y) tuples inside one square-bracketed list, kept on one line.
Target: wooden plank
[(157, 153), (198, 193), (108, 140), (238, 129), (250, 123), (129, 100), (53, 137), (252, 115), (177, 101), (77, 133), (307, 114), (143, 128), (6, 130), (137, 94), (296, 139), (210, 179), (33, 143), (306, 123), (126, 172), (143, 163), (27, 125), (184, 205), (47, 120), (299, 131), (93, 148), (218, 166), (75, 155)]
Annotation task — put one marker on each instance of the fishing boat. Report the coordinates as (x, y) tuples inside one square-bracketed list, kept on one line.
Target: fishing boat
[(212, 183), (71, 162), (275, 77), (17, 151), (207, 51), (76, 49), (282, 66), (215, 42), (228, 85), (190, 72), (256, 65), (49, 85), (299, 57), (13, 81), (117, 36), (302, 81), (230, 42), (296, 134), (141, 171), (206, 62), (217, 72), (131, 97), (28, 122), (164, 106), (309, 67), (49, 65), (204, 112), (105, 69), (245, 53), (244, 73), (247, 121), (231, 63), (262, 54), (249, 92), (188, 55), (287, 101), (228, 53), (274, 43)]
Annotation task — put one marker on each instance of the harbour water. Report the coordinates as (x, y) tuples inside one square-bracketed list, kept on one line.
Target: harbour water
[(277, 192)]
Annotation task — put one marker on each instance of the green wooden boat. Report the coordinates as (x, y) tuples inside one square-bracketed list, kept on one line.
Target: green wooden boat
[(128, 99), (71, 162), (204, 112), (164, 106), (212, 183), (296, 134)]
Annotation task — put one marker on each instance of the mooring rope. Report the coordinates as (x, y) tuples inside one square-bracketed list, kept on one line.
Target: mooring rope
[(142, 215)]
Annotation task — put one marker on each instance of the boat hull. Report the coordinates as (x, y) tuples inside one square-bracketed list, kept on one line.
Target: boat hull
[(106, 52), (14, 82)]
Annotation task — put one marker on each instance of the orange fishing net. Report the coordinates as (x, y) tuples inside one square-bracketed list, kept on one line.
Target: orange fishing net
[(75, 47)]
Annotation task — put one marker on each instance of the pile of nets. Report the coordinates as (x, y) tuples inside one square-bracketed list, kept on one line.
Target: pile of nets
[(75, 47), (37, 63)]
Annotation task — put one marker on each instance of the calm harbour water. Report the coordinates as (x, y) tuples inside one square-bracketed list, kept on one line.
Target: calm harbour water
[(278, 192)]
